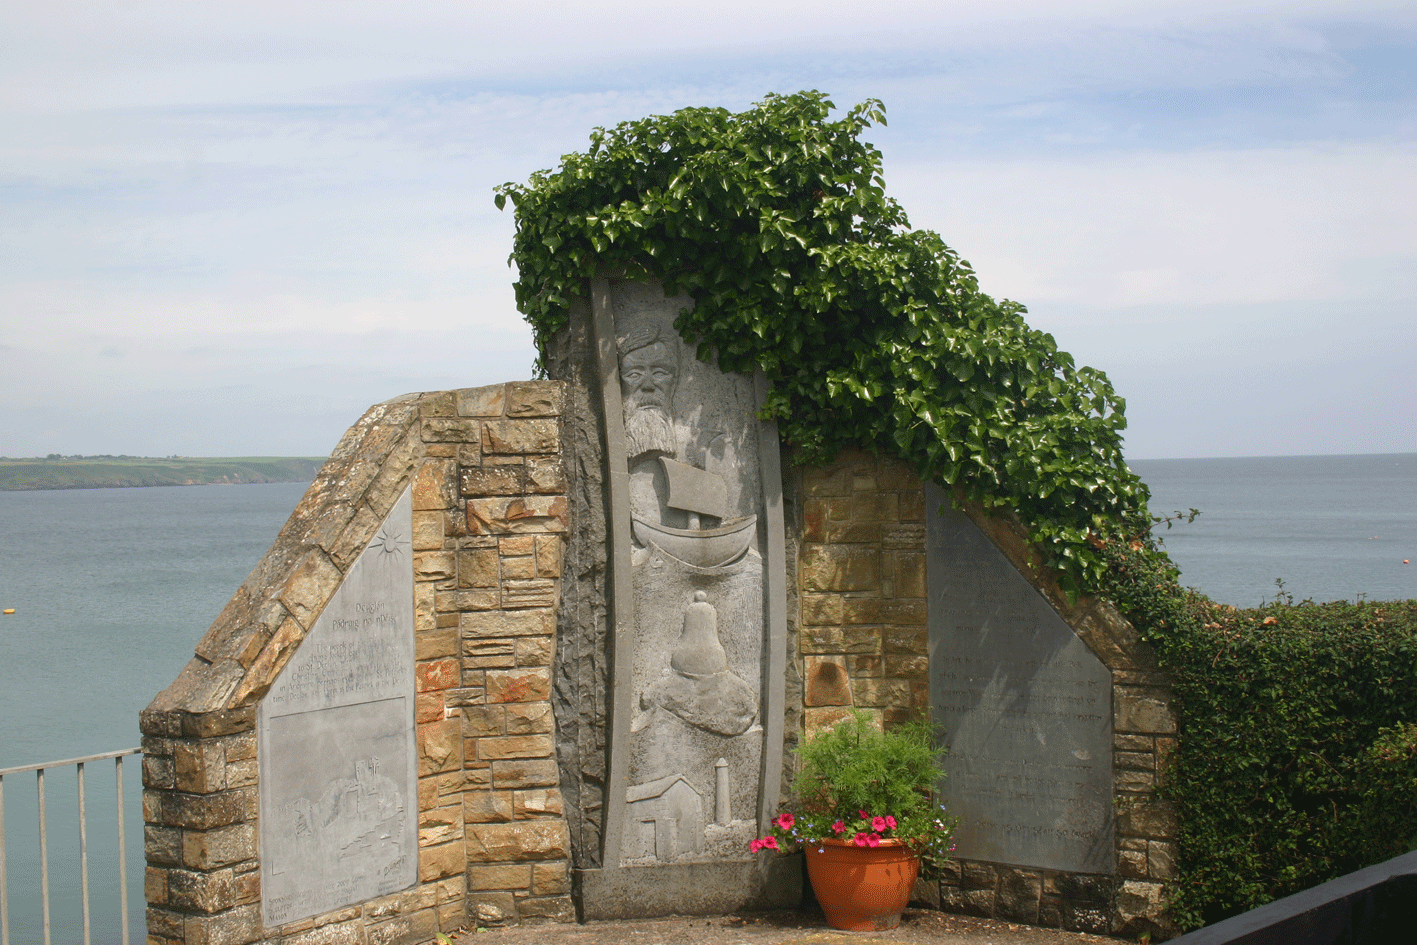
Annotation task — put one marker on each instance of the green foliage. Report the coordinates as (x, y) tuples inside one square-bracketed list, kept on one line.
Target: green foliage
[(1297, 755), (776, 222), (856, 779), (856, 766), (1384, 822)]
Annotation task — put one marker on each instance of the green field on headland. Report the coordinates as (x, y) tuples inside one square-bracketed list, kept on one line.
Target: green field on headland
[(110, 472)]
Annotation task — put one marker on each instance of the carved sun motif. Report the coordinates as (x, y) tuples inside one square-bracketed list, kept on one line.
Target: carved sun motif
[(390, 542)]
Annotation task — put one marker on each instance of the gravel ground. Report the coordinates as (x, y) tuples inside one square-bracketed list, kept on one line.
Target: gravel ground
[(918, 927)]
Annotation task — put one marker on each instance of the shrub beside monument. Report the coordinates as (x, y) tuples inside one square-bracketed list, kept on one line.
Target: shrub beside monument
[(1297, 761)]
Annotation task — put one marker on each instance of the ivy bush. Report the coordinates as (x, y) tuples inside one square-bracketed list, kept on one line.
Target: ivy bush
[(776, 222), (1297, 755)]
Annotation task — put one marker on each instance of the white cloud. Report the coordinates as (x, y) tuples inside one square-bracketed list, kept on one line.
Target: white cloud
[(65, 54), (282, 212), (1252, 302), (205, 393), (1306, 223)]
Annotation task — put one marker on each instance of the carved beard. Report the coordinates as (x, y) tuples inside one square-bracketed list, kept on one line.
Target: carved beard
[(648, 428)]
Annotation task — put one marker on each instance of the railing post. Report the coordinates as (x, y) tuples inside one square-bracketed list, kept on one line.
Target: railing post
[(80, 765), (84, 854), (122, 851), (44, 843), (43, 855)]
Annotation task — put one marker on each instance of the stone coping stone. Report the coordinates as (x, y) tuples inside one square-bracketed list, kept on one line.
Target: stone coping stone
[(714, 888)]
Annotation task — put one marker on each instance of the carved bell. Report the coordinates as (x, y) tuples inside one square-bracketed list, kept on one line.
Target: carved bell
[(698, 652)]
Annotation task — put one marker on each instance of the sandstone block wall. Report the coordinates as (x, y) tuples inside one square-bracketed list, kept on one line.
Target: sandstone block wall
[(862, 639), (501, 617), (862, 631), (489, 520)]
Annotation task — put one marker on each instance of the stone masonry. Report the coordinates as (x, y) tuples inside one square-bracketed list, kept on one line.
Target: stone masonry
[(862, 640), (862, 632), (489, 517)]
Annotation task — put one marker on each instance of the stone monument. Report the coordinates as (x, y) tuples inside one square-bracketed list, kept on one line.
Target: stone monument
[(521, 654)]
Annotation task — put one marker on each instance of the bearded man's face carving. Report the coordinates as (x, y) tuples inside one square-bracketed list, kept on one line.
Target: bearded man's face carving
[(648, 376)]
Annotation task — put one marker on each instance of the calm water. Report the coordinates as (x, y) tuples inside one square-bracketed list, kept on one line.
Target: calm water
[(1330, 527), (113, 588)]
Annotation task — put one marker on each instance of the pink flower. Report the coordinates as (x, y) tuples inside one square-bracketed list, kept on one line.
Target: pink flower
[(863, 815), (861, 840), (770, 843), (874, 840), (755, 846), (890, 821), (785, 821), (839, 827), (878, 823)]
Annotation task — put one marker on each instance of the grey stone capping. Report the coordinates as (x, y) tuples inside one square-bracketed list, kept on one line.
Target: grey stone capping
[(622, 596), (769, 883), (775, 593)]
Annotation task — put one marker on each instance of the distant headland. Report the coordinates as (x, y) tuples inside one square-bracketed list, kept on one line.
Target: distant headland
[(111, 472)]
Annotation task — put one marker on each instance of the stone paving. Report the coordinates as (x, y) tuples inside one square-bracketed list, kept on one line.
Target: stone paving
[(918, 927)]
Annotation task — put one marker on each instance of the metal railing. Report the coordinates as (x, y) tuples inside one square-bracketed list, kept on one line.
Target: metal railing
[(39, 771)]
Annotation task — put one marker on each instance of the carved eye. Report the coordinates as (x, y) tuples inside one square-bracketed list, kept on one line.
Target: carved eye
[(632, 376)]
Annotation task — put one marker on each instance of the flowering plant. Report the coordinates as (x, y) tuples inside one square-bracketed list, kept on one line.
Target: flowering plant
[(861, 785)]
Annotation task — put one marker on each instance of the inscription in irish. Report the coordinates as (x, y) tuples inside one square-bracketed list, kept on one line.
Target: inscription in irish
[(339, 799), (1025, 708)]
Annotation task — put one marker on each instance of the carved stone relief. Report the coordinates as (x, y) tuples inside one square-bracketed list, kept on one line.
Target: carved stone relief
[(691, 452), (688, 557), (338, 795)]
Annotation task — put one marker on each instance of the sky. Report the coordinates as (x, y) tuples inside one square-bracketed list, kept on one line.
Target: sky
[(228, 229)]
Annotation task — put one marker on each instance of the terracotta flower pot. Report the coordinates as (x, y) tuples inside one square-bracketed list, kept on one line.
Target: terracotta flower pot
[(861, 889)]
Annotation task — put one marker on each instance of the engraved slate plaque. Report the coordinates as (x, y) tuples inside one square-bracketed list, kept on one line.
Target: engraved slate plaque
[(1025, 707), (339, 798)]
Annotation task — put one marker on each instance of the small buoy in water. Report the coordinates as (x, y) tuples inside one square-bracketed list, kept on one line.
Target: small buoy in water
[(1404, 561), (11, 610)]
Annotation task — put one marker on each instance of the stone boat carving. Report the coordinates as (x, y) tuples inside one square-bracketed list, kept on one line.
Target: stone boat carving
[(699, 493)]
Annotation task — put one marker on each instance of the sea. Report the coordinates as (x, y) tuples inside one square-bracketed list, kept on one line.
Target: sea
[(112, 589), (1317, 528)]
